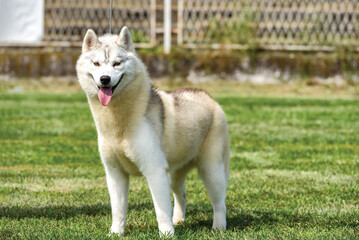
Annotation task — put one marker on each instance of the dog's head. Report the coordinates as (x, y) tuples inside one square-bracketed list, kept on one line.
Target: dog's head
[(106, 65)]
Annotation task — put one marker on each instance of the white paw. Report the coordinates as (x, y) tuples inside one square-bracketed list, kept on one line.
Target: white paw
[(219, 226), (118, 230), (167, 231), (219, 220), (177, 220)]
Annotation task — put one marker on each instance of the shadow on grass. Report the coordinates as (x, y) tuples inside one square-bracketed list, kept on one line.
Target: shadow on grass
[(62, 212), (239, 221), (247, 219), (257, 219)]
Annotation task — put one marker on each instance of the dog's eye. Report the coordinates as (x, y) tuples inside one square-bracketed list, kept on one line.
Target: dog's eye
[(96, 64), (116, 64)]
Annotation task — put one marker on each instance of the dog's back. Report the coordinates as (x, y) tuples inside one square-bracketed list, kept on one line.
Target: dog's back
[(188, 122)]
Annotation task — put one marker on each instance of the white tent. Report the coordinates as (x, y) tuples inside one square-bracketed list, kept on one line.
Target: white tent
[(21, 21)]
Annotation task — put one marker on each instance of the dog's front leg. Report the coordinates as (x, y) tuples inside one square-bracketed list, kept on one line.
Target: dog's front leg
[(117, 183), (151, 161), (160, 191)]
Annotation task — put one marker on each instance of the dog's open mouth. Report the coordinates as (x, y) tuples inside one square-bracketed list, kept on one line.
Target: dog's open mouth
[(105, 93)]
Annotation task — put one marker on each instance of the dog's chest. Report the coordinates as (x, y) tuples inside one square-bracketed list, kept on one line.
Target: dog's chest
[(128, 166), (117, 152)]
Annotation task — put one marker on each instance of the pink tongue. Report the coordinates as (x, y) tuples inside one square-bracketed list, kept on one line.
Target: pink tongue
[(105, 95)]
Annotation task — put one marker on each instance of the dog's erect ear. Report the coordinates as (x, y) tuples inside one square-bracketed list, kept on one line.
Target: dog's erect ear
[(90, 41), (124, 40)]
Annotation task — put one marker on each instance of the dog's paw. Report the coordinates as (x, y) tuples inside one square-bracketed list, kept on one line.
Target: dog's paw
[(167, 231), (177, 220), (219, 227), (167, 235), (116, 231)]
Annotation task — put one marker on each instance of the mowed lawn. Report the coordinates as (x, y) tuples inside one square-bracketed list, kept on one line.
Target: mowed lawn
[(294, 172)]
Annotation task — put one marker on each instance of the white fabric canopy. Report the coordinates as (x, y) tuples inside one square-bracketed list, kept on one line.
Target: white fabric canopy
[(21, 21)]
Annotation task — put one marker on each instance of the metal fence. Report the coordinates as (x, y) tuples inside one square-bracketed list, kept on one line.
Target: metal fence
[(268, 23), (68, 20), (286, 24)]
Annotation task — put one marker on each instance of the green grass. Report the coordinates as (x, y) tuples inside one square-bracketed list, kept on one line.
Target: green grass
[(294, 172)]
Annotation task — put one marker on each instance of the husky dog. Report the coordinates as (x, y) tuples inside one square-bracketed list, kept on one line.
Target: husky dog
[(156, 134)]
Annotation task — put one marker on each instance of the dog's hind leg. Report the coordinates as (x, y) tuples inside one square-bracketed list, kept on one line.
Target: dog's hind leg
[(215, 183), (214, 170), (177, 180)]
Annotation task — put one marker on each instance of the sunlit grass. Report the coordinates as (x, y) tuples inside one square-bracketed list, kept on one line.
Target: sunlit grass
[(294, 172)]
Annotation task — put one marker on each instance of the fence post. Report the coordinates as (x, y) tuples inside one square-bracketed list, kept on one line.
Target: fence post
[(167, 27), (180, 23), (153, 23)]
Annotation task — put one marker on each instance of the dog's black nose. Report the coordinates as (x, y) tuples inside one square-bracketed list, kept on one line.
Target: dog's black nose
[(105, 79)]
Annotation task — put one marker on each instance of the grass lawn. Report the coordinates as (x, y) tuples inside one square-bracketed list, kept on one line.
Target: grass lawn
[(294, 172)]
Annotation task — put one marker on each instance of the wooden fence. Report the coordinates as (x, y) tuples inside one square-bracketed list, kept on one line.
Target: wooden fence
[(238, 24)]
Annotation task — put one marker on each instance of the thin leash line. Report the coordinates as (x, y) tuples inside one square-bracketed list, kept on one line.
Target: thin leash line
[(111, 17)]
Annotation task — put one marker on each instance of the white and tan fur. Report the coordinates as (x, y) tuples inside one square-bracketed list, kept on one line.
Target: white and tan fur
[(156, 134)]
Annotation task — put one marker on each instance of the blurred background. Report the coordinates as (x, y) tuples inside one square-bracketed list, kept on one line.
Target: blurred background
[(273, 41)]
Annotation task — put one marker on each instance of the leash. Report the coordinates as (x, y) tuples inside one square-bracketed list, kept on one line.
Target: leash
[(111, 17)]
